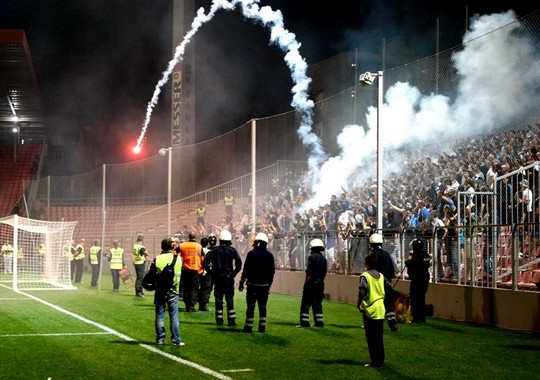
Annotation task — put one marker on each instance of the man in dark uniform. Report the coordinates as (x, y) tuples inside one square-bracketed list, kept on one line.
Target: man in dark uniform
[(205, 279), (224, 263), (258, 273), (385, 265), (418, 270), (313, 292)]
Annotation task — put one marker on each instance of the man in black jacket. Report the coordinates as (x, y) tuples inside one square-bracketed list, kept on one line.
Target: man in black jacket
[(224, 263), (313, 293), (259, 270)]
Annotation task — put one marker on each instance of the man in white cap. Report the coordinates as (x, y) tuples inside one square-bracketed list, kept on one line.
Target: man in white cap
[(313, 292)]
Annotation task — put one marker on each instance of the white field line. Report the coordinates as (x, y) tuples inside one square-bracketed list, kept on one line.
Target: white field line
[(188, 363), (55, 334), (237, 370)]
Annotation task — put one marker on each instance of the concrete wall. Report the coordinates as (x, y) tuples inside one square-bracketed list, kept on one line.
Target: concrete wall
[(514, 310)]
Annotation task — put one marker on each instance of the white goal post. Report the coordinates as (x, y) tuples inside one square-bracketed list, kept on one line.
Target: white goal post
[(33, 255)]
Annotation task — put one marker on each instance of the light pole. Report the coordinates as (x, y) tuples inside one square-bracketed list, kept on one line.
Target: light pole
[(367, 79), (162, 152)]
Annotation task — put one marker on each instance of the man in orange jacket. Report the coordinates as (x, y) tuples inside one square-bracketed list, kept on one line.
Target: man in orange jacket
[(192, 256)]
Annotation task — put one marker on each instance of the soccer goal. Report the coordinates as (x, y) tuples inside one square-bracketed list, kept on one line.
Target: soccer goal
[(33, 253)]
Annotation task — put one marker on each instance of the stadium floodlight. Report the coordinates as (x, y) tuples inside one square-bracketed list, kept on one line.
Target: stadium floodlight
[(367, 79), (162, 152)]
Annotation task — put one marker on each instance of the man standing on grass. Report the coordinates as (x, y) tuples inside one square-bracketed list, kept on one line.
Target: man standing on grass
[(77, 267), (224, 263), (139, 262), (167, 298), (313, 292), (95, 258), (192, 256), (258, 273), (116, 258)]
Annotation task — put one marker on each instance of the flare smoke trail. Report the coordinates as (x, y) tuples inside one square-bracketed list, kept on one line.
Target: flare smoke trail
[(495, 89), (278, 35)]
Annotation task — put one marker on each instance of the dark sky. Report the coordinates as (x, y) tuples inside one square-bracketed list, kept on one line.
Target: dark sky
[(98, 61)]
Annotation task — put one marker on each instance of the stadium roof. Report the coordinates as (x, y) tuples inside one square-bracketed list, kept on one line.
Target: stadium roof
[(19, 91)]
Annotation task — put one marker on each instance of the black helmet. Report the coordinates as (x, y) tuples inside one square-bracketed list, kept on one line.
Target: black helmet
[(212, 240), (417, 246)]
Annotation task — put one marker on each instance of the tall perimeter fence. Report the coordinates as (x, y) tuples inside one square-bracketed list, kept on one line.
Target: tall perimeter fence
[(495, 246)]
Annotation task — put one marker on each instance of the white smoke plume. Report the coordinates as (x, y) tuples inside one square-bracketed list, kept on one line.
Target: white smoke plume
[(490, 95), (280, 36)]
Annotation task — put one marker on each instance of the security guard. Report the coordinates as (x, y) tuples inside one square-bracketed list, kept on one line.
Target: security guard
[(116, 258), (229, 201), (95, 258), (385, 265), (192, 256), (78, 261), (224, 264), (7, 252), (313, 293), (139, 262)]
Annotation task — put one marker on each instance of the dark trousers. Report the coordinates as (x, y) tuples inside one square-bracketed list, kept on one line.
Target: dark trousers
[(256, 295), (374, 338), (190, 287), (417, 292), (205, 288), (224, 287), (140, 271), (95, 274), (115, 278), (312, 297), (77, 267)]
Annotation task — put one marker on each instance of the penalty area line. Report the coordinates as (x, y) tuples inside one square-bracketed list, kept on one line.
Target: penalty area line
[(199, 367)]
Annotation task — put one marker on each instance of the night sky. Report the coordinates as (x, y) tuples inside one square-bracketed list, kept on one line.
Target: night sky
[(98, 61)]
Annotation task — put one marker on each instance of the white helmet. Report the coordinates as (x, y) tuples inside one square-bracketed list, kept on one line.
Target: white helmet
[(316, 243), (261, 237), (376, 239), (225, 235)]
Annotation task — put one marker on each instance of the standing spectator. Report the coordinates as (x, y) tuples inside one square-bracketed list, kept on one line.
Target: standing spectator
[(258, 274), (439, 231), (418, 270), (313, 292), (168, 298), (451, 242), (116, 259), (371, 295), (95, 259), (224, 263), (201, 214), (77, 266), (229, 201), (192, 257), (139, 262), (384, 265)]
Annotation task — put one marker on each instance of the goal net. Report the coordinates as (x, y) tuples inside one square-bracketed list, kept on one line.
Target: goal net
[(33, 253)]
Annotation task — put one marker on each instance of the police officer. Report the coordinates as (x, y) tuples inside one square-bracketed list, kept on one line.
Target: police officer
[(224, 264), (385, 265), (313, 292), (418, 271), (258, 273), (205, 278)]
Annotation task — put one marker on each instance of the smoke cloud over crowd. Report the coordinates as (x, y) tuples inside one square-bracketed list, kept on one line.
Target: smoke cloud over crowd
[(495, 90)]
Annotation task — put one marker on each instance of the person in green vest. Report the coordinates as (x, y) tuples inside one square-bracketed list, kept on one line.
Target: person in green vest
[(95, 259), (139, 262), (77, 265), (42, 251), (201, 213), (116, 260), (229, 201), (7, 252), (168, 298), (372, 290)]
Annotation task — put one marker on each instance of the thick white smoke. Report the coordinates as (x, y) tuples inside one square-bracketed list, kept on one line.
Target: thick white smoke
[(492, 78)]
